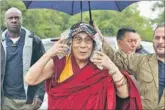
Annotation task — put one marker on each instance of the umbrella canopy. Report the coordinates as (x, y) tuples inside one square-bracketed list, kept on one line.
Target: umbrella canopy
[(74, 7)]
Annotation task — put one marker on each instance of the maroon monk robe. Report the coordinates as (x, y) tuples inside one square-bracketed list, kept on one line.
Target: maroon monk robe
[(88, 88)]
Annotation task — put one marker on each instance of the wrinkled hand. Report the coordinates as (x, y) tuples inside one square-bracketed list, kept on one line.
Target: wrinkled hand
[(59, 47), (36, 103), (103, 60)]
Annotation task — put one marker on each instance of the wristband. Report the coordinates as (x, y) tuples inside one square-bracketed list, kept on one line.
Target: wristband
[(120, 85), (119, 80)]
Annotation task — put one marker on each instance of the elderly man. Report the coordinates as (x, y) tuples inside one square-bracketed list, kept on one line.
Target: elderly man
[(74, 82), (149, 70), (20, 49)]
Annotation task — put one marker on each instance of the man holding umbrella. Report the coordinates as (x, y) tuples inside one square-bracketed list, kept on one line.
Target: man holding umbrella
[(149, 70)]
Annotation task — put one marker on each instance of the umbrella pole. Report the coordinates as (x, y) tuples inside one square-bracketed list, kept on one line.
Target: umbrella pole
[(81, 9), (90, 14)]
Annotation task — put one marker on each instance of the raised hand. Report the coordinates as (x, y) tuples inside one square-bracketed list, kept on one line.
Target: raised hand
[(58, 48), (100, 59)]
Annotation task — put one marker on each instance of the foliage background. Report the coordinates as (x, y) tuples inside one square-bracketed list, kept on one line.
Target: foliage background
[(48, 23)]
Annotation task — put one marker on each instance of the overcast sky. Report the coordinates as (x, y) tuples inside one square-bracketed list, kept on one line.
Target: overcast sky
[(145, 9)]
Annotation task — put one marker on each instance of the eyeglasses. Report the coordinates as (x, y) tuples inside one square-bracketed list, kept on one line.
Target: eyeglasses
[(78, 40)]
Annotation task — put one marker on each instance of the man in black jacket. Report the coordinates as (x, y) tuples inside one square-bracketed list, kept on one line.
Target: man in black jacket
[(19, 50)]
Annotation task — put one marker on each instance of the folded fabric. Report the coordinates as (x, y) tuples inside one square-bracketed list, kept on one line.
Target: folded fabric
[(91, 88)]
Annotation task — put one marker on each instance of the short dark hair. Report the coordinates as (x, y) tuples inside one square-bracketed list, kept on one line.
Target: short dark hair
[(158, 26), (122, 31)]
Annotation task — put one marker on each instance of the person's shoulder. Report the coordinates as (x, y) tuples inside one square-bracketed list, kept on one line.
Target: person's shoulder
[(31, 34), (3, 35), (138, 57), (151, 56), (146, 56), (35, 37)]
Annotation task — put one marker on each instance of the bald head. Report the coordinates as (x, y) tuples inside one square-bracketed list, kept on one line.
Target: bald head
[(13, 10), (13, 20)]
